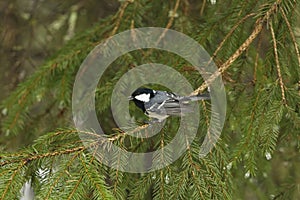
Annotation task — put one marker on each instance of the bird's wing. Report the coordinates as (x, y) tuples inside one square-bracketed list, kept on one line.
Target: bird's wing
[(167, 103)]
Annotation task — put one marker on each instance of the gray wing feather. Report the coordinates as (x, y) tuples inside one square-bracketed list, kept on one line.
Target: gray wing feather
[(167, 103)]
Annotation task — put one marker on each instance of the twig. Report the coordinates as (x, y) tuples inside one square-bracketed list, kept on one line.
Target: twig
[(256, 59), (292, 34), (258, 28), (202, 8), (61, 173), (230, 33), (38, 156), (170, 22), (139, 128), (121, 13), (225, 39), (168, 26), (277, 63), (11, 179)]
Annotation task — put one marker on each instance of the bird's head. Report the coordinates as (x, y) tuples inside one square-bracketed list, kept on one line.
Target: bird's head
[(141, 96)]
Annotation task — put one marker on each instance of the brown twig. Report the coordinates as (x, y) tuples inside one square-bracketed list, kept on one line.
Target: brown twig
[(257, 59), (202, 8), (38, 156), (225, 39), (257, 29), (292, 34), (121, 13), (61, 173), (122, 133), (170, 22), (230, 33), (168, 26), (277, 63), (11, 179)]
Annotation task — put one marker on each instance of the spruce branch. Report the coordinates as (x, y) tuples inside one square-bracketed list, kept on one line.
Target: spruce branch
[(120, 15), (75, 188), (31, 86), (23, 98), (257, 29), (257, 59), (206, 115), (123, 133), (291, 33), (229, 34), (168, 26), (39, 156), (190, 157), (249, 129), (199, 189), (61, 173), (278, 64), (22, 164), (180, 186), (96, 180), (170, 22)]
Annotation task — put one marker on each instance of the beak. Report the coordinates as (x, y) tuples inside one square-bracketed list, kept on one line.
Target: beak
[(130, 98)]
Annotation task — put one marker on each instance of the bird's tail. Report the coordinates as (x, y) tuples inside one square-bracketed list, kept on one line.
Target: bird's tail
[(198, 97)]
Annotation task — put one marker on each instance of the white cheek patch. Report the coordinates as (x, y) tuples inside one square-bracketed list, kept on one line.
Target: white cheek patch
[(143, 97)]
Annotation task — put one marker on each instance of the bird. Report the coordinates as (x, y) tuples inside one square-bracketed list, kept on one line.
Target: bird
[(159, 105)]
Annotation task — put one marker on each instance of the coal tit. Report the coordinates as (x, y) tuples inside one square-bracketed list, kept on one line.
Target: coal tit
[(159, 105)]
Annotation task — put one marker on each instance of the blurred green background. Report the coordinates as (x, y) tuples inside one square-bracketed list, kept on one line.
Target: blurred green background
[(32, 31)]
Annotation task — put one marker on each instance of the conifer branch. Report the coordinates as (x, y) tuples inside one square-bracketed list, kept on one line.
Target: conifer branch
[(223, 42), (257, 29), (168, 26), (257, 59), (89, 174), (229, 34), (27, 91), (205, 112), (162, 185), (123, 133), (179, 185), (170, 22), (277, 63), (12, 178), (32, 83), (190, 158), (52, 186), (249, 129), (75, 188), (119, 18), (196, 178), (39, 156), (292, 34)]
